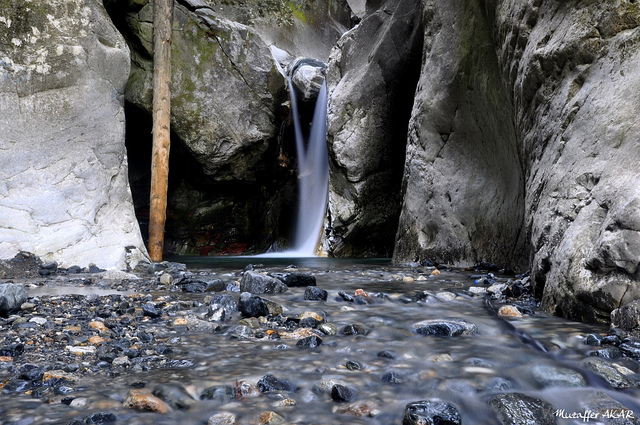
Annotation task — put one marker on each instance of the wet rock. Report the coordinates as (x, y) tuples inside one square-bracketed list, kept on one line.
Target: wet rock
[(328, 328), (362, 408), (220, 393), (150, 310), (610, 373), (12, 296), (342, 393), (142, 399), (431, 412), (631, 348), (607, 353), (244, 389), (257, 283), (270, 417), (313, 293), (346, 296), (216, 313), (353, 329), (609, 411), (392, 377), (387, 354), (228, 302), (193, 323), (222, 419), (354, 365), (451, 327), (509, 311), (101, 418), (175, 395), (516, 408), (627, 318), (309, 342), (299, 279), (555, 376), (270, 383), (252, 306), (593, 339)]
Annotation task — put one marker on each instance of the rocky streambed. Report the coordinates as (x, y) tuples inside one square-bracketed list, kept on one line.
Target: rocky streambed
[(301, 341)]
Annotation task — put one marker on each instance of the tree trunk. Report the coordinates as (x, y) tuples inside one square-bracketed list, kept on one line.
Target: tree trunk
[(162, 22)]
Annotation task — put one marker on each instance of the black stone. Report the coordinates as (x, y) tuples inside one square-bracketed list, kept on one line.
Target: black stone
[(270, 383), (427, 412), (313, 293), (299, 279), (309, 342), (353, 329), (308, 322), (252, 306), (516, 408), (392, 377), (149, 309), (387, 354), (346, 296), (341, 393), (101, 418)]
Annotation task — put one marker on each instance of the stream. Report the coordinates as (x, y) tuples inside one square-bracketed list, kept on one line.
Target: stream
[(382, 366)]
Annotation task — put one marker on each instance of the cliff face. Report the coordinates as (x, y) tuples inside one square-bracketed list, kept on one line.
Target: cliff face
[(522, 145), (63, 168)]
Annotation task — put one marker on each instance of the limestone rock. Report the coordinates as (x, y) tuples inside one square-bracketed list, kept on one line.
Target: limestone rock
[(627, 318), (371, 76), (63, 168)]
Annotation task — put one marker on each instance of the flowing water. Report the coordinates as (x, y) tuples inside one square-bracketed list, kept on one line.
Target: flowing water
[(313, 175), (465, 370)]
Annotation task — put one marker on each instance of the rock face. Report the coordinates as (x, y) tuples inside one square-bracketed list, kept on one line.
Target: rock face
[(63, 168), (522, 147), (372, 75), (233, 171)]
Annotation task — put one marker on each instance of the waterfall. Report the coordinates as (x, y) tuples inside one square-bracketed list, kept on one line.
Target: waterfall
[(313, 175)]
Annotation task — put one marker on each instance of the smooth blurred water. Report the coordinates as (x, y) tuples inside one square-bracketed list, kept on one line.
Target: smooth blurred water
[(466, 370)]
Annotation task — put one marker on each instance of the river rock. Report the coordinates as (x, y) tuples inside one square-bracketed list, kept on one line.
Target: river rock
[(609, 411), (372, 75), (610, 373), (63, 170), (431, 412), (555, 376), (252, 306), (12, 296), (223, 418), (516, 408), (258, 283), (174, 394), (142, 399), (270, 383), (627, 318), (299, 279), (313, 293), (436, 327)]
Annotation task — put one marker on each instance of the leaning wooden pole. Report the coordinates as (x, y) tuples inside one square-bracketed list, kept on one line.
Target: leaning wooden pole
[(162, 23)]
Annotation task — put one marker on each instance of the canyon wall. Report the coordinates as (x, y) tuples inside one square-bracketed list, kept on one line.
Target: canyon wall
[(63, 167)]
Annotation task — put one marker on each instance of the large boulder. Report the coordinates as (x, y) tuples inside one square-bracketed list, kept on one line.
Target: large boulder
[(372, 75), (63, 167)]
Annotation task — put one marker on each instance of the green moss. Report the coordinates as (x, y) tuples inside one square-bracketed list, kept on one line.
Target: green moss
[(298, 13)]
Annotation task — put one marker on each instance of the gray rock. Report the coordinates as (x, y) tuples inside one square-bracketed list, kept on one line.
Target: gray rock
[(516, 408), (372, 75), (307, 76), (63, 169), (610, 373), (313, 293), (555, 376), (431, 412), (252, 306), (257, 283), (610, 411), (12, 296), (627, 318), (442, 327)]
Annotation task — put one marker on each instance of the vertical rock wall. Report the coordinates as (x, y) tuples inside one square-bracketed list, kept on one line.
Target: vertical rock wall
[(372, 75), (63, 168)]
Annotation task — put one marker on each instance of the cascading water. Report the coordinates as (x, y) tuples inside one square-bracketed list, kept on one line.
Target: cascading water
[(313, 175)]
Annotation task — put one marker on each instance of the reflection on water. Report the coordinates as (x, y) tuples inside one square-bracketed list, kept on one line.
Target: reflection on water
[(466, 370)]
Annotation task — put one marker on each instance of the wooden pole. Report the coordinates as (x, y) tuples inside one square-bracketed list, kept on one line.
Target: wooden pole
[(162, 23)]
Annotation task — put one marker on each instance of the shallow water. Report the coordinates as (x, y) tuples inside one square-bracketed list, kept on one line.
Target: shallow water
[(465, 370)]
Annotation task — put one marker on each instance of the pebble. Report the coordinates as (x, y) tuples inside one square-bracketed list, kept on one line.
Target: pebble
[(222, 419), (358, 408), (270, 417), (438, 327), (143, 399), (509, 311)]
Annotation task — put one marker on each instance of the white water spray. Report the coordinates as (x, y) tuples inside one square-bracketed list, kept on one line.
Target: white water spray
[(313, 175)]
